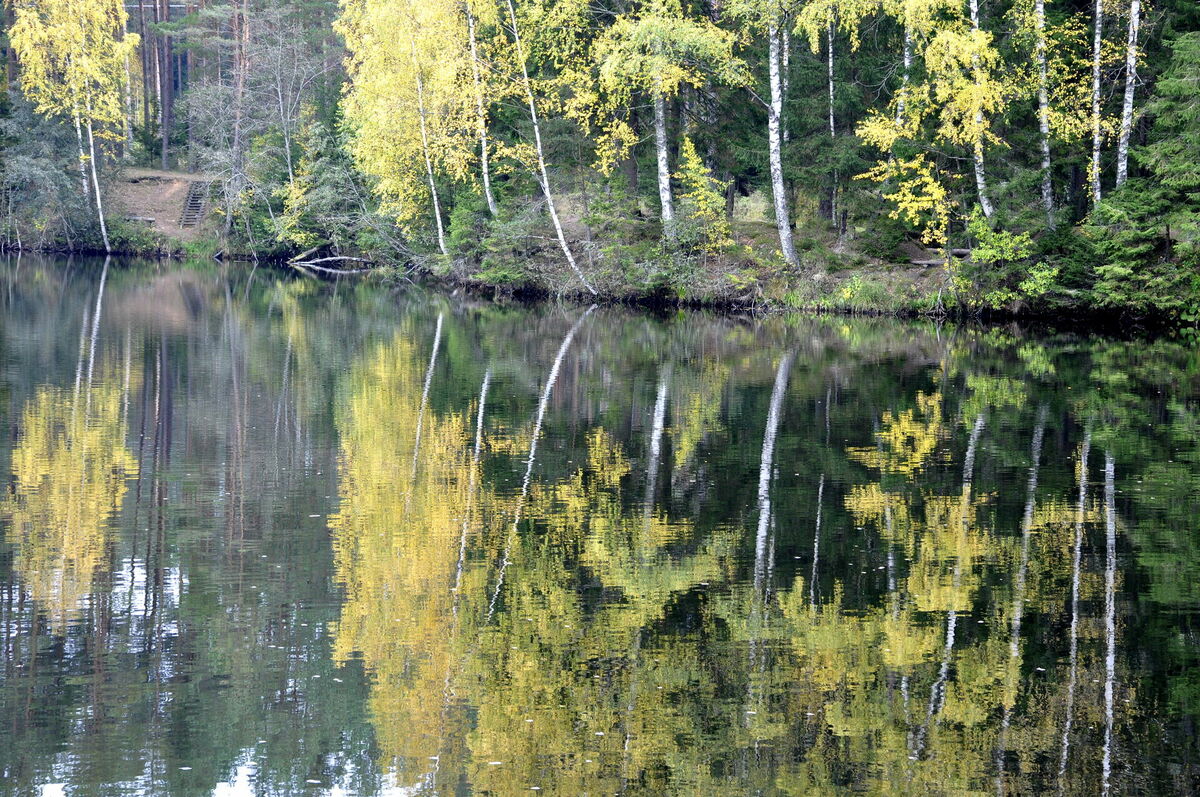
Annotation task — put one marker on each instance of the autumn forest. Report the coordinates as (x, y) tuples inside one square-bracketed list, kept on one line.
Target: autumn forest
[(911, 156)]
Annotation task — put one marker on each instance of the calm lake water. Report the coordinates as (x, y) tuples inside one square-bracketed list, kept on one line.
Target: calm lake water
[(267, 536)]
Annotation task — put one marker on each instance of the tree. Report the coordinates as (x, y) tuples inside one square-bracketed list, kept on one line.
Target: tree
[(73, 66), (407, 103), (658, 50)]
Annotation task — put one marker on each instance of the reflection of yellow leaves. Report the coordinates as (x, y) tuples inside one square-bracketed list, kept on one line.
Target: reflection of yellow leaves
[(907, 440), (69, 470), (397, 542)]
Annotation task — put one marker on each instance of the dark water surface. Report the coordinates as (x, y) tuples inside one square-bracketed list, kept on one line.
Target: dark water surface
[(265, 536)]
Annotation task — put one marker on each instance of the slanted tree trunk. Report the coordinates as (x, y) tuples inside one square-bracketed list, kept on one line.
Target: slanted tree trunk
[(96, 184), (783, 220), (977, 155), (433, 193), (543, 403), (1097, 41), (541, 157), (1039, 15), (664, 164), (1131, 46), (481, 114)]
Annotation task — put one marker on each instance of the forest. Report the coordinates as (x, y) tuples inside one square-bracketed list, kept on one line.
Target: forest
[(879, 155)]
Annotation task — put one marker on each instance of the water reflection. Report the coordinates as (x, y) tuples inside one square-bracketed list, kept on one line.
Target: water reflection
[(265, 536)]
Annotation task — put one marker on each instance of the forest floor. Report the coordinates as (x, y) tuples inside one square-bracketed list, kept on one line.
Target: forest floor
[(155, 198)]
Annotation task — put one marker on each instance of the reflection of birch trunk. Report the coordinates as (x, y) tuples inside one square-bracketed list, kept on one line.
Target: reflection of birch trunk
[(1110, 614), (1072, 678), (437, 339), (656, 436), (471, 487), (551, 378), (95, 333), (937, 693), (1018, 607), (812, 581), (774, 412)]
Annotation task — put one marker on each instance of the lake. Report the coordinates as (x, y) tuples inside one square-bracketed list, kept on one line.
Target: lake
[(264, 535)]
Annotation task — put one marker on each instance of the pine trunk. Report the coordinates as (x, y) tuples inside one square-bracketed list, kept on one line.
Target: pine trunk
[(775, 144), (1135, 14), (537, 140)]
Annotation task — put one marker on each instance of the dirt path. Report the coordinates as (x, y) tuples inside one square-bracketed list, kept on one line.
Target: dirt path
[(155, 198)]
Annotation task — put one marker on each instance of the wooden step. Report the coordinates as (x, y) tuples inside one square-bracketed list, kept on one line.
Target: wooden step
[(195, 205)]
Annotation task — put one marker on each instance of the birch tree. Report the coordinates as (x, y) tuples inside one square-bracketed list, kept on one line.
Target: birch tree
[(1131, 76), (1097, 136), (659, 51), (769, 16), (542, 176), (407, 102), (73, 67)]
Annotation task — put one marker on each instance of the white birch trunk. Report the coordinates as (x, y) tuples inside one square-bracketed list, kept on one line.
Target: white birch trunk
[(902, 100), (977, 156), (96, 185), (83, 178), (775, 144), (1131, 47), (537, 140), (481, 116), (829, 75), (786, 65), (664, 164), (1073, 655), (1097, 41), (1039, 14), (433, 193)]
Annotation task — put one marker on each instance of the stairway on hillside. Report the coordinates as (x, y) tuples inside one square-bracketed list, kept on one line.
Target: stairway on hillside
[(195, 207)]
